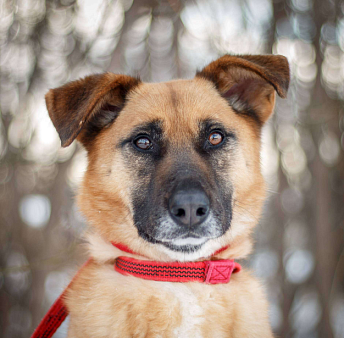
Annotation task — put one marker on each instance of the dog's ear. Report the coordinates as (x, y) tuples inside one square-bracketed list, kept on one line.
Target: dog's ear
[(248, 82), (80, 109)]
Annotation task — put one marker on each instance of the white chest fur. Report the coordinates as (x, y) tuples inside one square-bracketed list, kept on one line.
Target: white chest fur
[(191, 311)]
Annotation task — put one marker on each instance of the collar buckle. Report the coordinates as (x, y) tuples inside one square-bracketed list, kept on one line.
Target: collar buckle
[(218, 272)]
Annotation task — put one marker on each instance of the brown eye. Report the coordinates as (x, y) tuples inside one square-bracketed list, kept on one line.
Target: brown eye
[(143, 143), (215, 138)]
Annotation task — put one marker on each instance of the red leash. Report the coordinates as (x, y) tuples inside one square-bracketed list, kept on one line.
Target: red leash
[(210, 272), (56, 314), (52, 320)]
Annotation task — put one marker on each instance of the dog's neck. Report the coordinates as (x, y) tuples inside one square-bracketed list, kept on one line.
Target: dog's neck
[(124, 248), (211, 271), (104, 251)]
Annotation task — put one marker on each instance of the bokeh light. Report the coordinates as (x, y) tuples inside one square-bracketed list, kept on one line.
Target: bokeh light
[(35, 210), (17, 279), (299, 265), (306, 313)]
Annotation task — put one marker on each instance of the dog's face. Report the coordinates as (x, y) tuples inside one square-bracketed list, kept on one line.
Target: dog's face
[(177, 152), (173, 167)]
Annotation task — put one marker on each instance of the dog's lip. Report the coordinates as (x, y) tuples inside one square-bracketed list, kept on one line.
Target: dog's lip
[(183, 237), (185, 241), (189, 241)]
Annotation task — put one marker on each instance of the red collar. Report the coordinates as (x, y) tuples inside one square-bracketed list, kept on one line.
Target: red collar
[(208, 271)]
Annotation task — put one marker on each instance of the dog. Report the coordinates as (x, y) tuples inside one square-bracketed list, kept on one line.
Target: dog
[(173, 177)]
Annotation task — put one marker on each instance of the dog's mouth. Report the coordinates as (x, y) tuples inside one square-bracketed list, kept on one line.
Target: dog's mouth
[(185, 243), (191, 241), (181, 238)]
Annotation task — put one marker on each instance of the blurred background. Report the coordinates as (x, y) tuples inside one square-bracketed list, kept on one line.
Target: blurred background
[(300, 240)]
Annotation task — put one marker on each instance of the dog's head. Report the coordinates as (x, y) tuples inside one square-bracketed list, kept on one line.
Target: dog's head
[(174, 168)]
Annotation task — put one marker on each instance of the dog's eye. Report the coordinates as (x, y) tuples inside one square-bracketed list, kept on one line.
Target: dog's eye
[(215, 138), (143, 143)]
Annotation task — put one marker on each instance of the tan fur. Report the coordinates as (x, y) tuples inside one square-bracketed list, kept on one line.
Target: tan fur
[(104, 303), (103, 196)]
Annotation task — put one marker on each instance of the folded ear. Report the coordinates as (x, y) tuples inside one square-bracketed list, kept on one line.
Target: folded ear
[(249, 82), (82, 108)]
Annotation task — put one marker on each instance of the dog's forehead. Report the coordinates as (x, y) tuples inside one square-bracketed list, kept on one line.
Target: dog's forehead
[(180, 105)]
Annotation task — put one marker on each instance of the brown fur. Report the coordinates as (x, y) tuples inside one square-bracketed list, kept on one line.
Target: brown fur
[(103, 303)]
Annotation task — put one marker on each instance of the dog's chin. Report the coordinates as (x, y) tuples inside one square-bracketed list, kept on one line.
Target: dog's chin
[(179, 244), (189, 244)]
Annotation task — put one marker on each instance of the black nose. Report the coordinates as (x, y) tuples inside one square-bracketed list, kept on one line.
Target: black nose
[(189, 206)]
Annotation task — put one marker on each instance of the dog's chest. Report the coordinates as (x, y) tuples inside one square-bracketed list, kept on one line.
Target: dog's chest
[(108, 304), (191, 311)]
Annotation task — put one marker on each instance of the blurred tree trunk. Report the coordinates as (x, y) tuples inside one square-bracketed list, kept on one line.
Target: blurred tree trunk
[(287, 290), (325, 241)]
